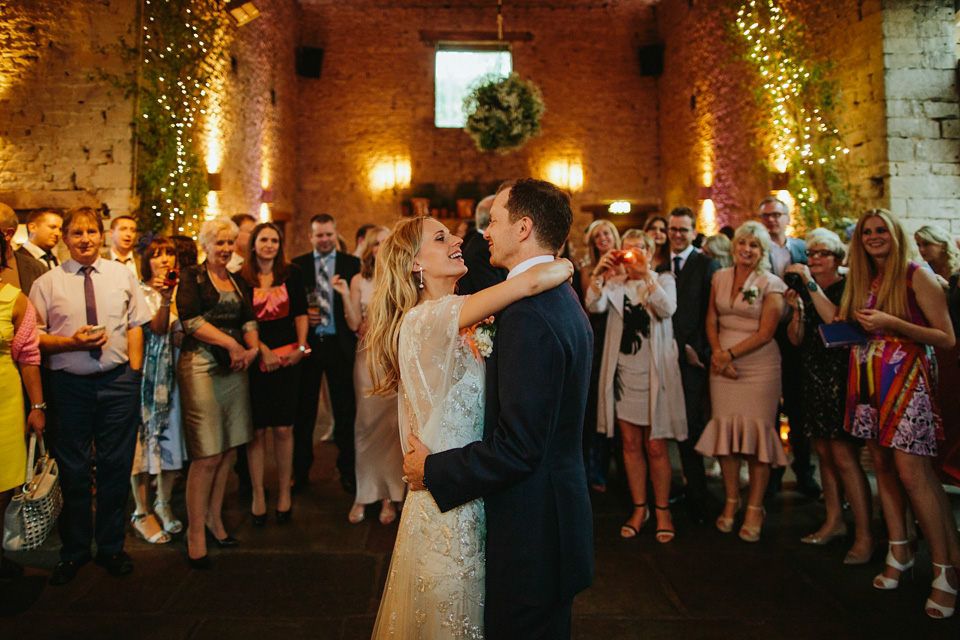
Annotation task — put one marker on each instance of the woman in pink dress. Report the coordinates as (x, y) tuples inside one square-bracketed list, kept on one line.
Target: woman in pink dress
[(745, 306)]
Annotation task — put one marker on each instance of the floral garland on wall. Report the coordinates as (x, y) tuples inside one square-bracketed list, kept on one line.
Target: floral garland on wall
[(178, 48), (504, 113), (800, 102)]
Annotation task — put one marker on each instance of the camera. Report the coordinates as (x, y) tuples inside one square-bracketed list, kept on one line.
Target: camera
[(623, 256), (794, 281), (171, 279)]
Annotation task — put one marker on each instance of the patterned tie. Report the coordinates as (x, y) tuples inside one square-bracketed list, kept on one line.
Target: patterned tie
[(324, 294), (50, 259), (676, 265), (91, 303)]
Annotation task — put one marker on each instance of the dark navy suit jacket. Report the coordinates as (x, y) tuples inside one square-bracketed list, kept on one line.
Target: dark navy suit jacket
[(529, 465)]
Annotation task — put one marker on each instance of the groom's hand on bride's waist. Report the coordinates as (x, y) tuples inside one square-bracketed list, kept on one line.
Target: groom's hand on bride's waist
[(413, 462)]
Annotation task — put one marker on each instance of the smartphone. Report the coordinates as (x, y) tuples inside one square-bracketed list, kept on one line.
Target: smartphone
[(97, 330), (171, 279)]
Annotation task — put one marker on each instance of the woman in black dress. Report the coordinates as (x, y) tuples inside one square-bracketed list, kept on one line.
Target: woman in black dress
[(280, 305), (823, 380)]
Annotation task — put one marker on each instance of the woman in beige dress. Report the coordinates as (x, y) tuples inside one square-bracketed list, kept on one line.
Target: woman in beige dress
[(745, 307)]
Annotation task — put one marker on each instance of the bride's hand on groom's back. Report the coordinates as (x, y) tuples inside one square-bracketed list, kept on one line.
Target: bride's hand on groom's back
[(548, 275)]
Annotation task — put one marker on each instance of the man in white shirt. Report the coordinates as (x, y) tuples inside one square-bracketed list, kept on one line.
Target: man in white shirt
[(90, 314), (36, 256), (123, 231), (245, 225)]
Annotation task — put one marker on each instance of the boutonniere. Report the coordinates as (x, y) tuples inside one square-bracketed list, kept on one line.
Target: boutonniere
[(749, 295), (479, 337)]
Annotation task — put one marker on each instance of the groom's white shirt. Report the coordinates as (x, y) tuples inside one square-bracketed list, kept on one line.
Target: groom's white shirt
[(526, 264)]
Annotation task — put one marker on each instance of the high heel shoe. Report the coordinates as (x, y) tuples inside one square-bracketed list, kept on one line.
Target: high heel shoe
[(628, 531), (167, 519), (159, 537), (882, 581), (824, 539), (228, 542), (202, 563), (258, 520), (940, 584), (752, 534), (664, 536), (725, 523), (283, 517)]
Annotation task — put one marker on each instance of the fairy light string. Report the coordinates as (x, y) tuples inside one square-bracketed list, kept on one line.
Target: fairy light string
[(800, 103)]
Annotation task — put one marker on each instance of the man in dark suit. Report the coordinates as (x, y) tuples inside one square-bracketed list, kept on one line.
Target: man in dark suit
[(30, 261), (476, 255), (529, 465), (694, 273), (334, 347)]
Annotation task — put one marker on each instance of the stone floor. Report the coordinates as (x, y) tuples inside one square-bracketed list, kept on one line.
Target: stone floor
[(320, 577)]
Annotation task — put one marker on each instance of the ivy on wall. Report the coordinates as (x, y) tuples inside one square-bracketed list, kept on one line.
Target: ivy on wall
[(799, 101), (179, 45)]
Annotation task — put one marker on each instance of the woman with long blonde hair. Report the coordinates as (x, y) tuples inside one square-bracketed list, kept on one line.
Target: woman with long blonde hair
[(890, 395), (426, 343)]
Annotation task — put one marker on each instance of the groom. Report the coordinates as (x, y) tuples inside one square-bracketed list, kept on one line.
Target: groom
[(529, 465)]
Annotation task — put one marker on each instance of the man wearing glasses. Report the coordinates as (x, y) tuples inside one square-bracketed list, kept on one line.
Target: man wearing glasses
[(785, 251), (694, 273)]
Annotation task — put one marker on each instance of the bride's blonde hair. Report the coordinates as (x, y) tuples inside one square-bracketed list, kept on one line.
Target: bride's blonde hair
[(394, 293)]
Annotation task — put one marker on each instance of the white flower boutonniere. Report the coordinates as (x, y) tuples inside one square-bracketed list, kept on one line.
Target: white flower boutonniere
[(479, 338), (749, 295)]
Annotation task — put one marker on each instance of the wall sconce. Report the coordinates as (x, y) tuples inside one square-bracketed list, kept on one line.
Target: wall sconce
[(566, 174), (215, 180), (619, 207), (705, 193), (267, 196), (391, 174), (242, 12)]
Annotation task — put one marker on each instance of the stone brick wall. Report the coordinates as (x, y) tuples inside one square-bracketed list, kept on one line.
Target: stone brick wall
[(708, 115), (374, 101), (923, 118), (65, 135)]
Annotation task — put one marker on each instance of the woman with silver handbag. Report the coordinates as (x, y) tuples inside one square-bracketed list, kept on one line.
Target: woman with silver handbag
[(19, 360)]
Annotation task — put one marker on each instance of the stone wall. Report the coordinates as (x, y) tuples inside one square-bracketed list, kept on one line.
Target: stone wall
[(923, 118), (374, 102), (708, 116)]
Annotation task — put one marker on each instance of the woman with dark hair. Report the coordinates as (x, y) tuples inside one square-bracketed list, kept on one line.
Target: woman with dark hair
[(280, 305), (216, 312), (656, 228), (186, 251), (890, 396), (379, 456), (160, 451), (19, 361)]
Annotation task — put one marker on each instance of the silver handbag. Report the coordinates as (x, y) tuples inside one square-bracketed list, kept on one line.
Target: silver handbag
[(32, 514)]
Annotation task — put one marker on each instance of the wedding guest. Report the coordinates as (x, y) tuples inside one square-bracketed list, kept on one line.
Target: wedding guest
[(280, 305), (656, 226), (602, 237), (91, 311), (19, 362), (640, 374), (245, 224), (186, 251), (890, 399), (44, 230), (745, 309), (359, 238), (717, 247), (379, 456), (160, 450), (939, 251), (123, 235), (823, 376), (20, 267), (216, 313), (476, 255)]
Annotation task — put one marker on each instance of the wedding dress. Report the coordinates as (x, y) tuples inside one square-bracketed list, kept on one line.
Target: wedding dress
[(435, 585)]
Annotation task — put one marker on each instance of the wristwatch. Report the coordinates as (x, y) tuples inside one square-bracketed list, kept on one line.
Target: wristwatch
[(812, 285), (302, 349), (42, 406)]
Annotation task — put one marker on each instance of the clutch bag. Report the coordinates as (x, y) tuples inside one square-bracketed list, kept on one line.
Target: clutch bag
[(31, 515), (842, 334), (283, 352)]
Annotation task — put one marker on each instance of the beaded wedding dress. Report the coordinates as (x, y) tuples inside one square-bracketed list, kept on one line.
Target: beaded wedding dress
[(435, 586)]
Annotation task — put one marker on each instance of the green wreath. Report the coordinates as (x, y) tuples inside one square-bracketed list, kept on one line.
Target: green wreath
[(504, 113)]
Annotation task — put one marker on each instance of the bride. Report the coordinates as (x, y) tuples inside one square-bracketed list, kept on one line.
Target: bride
[(420, 343)]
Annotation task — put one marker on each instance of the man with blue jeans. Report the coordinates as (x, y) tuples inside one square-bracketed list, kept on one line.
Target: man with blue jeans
[(91, 311)]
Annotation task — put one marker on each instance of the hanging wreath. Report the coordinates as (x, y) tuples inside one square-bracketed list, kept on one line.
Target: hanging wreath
[(504, 113)]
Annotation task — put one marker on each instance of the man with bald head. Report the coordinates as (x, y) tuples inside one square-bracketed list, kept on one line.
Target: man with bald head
[(22, 267)]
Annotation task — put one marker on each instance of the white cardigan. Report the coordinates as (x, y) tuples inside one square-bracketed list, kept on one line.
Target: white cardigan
[(668, 412)]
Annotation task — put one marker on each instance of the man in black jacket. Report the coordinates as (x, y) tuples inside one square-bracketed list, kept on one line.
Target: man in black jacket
[(694, 273), (334, 347), (476, 255)]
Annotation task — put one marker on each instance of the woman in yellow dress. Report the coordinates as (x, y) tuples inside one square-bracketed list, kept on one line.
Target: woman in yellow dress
[(19, 356)]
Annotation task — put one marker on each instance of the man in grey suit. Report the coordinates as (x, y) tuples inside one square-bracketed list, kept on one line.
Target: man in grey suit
[(22, 267)]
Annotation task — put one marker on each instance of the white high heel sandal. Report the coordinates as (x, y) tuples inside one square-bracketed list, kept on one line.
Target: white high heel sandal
[(882, 581), (940, 584)]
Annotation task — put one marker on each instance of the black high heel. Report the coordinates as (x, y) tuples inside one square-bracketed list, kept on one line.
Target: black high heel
[(201, 564), (224, 543), (283, 517)]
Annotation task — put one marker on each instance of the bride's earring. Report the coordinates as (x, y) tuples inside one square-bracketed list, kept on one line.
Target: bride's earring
[(421, 277)]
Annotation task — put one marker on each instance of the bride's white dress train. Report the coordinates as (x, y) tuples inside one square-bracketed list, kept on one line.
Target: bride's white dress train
[(435, 586)]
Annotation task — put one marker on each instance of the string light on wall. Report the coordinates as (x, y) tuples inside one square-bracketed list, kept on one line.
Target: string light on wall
[(799, 100)]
